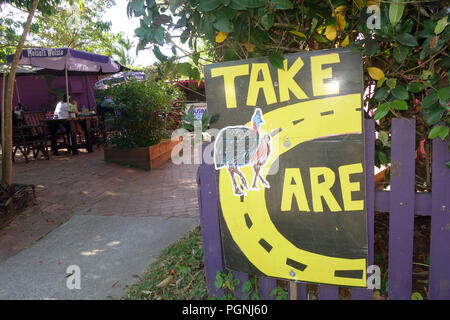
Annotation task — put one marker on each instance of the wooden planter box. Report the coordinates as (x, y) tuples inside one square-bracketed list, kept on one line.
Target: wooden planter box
[(146, 158)]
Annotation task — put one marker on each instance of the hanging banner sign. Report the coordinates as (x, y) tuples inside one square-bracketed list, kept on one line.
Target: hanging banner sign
[(44, 53), (289, 159)]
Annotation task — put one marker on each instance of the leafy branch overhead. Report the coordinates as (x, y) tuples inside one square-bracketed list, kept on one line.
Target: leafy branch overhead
[(404, 45)]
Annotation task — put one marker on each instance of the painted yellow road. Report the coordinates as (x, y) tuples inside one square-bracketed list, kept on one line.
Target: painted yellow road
[(324, 117)]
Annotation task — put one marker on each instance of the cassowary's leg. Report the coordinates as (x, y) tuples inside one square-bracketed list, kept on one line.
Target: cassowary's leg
[(264, 181), (237, 190), (256, 169), (243, 179)]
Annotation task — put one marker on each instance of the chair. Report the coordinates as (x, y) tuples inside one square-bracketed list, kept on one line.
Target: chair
[(35, 119), (35, 132), (26, 141)]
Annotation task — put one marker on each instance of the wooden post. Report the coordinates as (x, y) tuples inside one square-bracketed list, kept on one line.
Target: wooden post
[(3, 111), (7, 155), (67, 79), (293, 294)]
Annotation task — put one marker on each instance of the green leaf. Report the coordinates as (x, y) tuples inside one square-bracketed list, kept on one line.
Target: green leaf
[(320, 38), (237, 5), (246, 286), (441, 24), (381, 93), (223, 25), (158, 54), (371, 46), (282, 4), (415, 87), (276, 59), (429, 100), (383, 157), (382, 110), (384, 138), (401, 53), (416, 296), (444, 93), (267, 20), (391, 83), (407, 40), (433, 114), (400, 92), (439, 130), (447, 164), (253, 3), (381, 81), (426, 74), (399, 105), (396, 9), (159, 35), (184, 68), (208, 5)]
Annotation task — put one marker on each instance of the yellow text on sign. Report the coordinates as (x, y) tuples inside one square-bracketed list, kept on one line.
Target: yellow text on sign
[(293, 188), (286, 81)]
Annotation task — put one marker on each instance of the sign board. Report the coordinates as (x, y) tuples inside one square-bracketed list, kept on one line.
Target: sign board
[(289, 160), (198, 109)]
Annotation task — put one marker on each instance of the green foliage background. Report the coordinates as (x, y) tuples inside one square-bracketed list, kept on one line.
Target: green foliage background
[(142, 112)]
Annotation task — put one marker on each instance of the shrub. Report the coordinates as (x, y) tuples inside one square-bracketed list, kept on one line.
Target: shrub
[(143, 112)]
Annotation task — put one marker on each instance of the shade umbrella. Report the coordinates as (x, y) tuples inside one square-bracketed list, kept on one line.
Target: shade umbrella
[(117, 78), (68, 60)]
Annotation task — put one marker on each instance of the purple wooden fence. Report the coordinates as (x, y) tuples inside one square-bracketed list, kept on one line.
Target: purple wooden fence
[(402, 203)]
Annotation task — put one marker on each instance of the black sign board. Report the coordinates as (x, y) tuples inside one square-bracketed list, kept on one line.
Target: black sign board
[(289, 159)]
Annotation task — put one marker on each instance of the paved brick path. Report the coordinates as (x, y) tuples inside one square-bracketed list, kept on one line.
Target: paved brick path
[(86, 185)]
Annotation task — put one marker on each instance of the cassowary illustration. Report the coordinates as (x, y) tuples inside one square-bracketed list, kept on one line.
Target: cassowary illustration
[(239, 146)]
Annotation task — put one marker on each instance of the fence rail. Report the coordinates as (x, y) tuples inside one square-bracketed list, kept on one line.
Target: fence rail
[(402, 203)]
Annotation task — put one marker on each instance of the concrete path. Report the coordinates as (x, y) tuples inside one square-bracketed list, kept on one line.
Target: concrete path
[(109, 220), (110, 252)]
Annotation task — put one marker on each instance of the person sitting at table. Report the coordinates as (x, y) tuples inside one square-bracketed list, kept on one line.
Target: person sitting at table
[(62, 109), (62, 112)]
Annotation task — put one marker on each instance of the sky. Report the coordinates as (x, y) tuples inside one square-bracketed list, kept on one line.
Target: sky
[(120, 22), (117, 15)]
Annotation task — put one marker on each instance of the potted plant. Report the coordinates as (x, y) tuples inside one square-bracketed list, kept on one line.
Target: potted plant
[(144, 113)]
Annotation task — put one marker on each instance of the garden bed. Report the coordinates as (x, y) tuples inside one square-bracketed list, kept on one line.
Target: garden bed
[(146, 158)]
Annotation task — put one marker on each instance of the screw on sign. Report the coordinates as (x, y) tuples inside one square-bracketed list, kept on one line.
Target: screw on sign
[(296, 134)]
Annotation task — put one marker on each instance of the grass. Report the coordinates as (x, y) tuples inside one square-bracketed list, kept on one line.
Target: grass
[(177, 274)]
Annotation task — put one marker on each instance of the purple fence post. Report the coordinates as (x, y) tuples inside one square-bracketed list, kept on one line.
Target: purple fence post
[(369, 129), (209, 222), (266, 285), (243, 277), (401, 217), (440, 223), (328, 292)]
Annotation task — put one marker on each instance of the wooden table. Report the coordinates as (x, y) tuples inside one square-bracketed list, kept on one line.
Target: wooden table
[(70, 125)]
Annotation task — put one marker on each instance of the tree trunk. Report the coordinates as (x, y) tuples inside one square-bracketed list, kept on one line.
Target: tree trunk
[(7, 143)]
